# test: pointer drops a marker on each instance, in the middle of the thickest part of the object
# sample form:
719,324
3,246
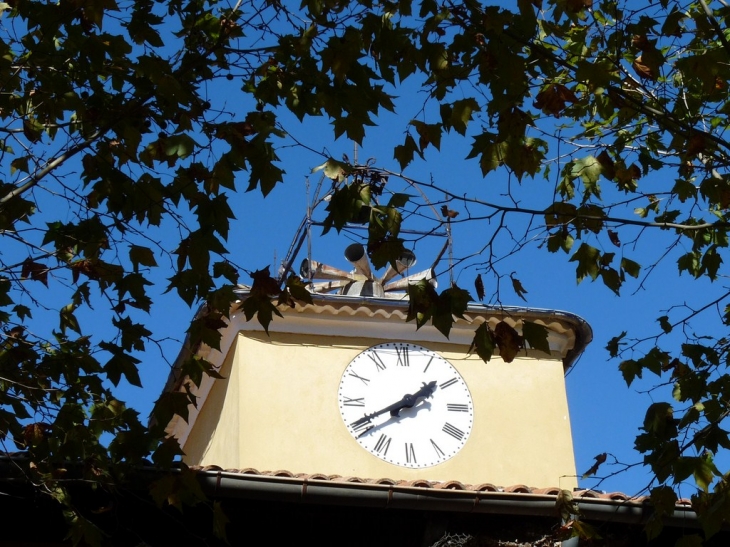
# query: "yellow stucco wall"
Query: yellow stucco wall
277,409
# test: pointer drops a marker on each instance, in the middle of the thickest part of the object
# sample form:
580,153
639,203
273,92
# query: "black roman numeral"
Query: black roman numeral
448,383
455,432
428,364
439,452
377,360
457,407
354,375
383,444
410,453
360,401
362,426
402,356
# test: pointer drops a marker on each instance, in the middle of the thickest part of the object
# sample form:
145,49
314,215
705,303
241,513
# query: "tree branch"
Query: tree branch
538,212
715,25
31,180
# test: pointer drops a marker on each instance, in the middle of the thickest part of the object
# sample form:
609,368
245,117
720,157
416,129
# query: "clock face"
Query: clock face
406,405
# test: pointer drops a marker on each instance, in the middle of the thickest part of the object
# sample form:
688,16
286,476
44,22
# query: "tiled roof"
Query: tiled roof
579,494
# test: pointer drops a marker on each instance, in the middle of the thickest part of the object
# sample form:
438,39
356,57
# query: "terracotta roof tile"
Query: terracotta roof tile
443,485
418,483
354,479
551,491
485,487
450,485
518,489
212,468
319,477
619,496
684,501
587,494
283,473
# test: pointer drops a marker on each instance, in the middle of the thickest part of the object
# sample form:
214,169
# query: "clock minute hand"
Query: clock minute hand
408,401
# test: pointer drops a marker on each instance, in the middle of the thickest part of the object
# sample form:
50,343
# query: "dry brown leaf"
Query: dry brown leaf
613,236
448,213
644,71
640,41
479,286
696,144
601,458
553,99
609,170
508,341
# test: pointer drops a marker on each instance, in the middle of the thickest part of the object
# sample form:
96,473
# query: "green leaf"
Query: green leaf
589,170
262,308
404,153
630,369
349,203
461,114
226,270
170,404
456,299
711,262
665,324
206,329
483,343
385,250
565,505
615,344
585,531
179,145
333,169
22,312
536,336
121,364
19,164
663,500
630,267
298,289
68,319
429,134
422,300
82,531
166,453
398,200
705,471
141,256
220,521
659,419
518,288
690,262
588,259
611,279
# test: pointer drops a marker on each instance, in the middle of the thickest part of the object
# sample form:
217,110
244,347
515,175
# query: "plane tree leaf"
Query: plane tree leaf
536,336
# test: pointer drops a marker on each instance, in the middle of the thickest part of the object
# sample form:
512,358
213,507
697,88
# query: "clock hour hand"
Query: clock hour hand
408,401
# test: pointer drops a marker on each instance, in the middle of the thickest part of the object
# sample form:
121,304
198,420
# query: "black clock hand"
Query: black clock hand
408,401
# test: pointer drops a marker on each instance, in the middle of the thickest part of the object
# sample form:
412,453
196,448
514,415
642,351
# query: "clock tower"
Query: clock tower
345,386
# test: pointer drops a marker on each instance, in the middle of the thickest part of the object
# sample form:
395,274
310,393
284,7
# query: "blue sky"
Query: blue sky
605,413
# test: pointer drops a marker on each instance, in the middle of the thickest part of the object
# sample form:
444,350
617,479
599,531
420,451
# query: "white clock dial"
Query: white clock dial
406,405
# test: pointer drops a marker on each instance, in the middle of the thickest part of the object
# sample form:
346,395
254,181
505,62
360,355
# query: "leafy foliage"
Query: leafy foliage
111,137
